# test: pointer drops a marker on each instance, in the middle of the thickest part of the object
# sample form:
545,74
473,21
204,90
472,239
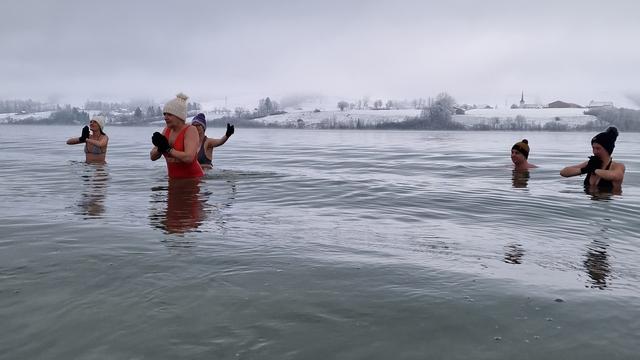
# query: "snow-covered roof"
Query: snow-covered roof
600,104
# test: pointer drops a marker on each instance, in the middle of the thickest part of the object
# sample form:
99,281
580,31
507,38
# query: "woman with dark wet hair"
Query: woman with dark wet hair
602,172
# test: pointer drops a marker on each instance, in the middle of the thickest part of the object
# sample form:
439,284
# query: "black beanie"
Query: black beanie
522,147
607,139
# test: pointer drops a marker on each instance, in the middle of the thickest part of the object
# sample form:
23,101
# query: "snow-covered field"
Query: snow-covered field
6,117
312,118
538,117
571,117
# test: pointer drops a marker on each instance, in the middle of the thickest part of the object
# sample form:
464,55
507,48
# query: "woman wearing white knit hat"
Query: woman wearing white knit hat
94,139
178,142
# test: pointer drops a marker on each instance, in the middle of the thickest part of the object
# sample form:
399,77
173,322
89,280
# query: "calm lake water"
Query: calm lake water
316,245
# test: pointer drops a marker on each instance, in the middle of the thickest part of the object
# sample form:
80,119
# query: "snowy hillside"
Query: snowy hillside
9,117
315,118
570,117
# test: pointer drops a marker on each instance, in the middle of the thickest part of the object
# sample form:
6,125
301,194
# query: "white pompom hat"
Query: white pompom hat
177,106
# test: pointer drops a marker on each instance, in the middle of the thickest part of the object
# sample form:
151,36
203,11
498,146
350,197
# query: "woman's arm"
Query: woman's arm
616,173
211,143
73,141
191,143
573,170
81,139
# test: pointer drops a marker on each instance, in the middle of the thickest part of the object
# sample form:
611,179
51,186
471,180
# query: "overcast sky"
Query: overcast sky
477,51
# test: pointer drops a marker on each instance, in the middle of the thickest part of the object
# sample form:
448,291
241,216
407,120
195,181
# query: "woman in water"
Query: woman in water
178,142
520,156
602,172
94,139
205,154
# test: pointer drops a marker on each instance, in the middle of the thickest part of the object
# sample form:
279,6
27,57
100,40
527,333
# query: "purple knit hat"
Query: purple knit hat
199,120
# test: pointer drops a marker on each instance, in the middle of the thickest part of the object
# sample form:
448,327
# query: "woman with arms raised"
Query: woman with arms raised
94,139
602,172
205,154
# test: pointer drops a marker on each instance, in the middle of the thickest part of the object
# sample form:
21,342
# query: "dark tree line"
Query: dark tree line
363,104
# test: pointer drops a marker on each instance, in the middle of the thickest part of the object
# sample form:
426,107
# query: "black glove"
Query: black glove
85,134
593,164
160,142
230,130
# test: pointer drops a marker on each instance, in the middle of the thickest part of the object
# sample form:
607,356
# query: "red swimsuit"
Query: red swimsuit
178,169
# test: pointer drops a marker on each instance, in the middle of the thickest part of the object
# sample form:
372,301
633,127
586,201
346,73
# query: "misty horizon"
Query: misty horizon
74,51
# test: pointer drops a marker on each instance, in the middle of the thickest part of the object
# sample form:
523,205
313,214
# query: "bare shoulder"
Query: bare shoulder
618,166
191,131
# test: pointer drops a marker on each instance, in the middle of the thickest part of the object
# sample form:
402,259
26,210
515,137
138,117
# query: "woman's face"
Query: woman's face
517,157
171,120
200,129
93,126
598,150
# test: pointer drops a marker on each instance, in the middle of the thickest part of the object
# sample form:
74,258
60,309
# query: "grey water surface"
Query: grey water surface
316,245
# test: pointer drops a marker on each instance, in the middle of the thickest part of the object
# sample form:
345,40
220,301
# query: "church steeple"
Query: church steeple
522,99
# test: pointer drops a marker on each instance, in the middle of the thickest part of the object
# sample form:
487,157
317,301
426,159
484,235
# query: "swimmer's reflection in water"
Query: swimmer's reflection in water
91,203
513,253
185,207
597,264
598,194
520,178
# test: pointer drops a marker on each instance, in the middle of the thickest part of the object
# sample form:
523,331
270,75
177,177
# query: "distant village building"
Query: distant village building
524,105
600,104
561,104
458,110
